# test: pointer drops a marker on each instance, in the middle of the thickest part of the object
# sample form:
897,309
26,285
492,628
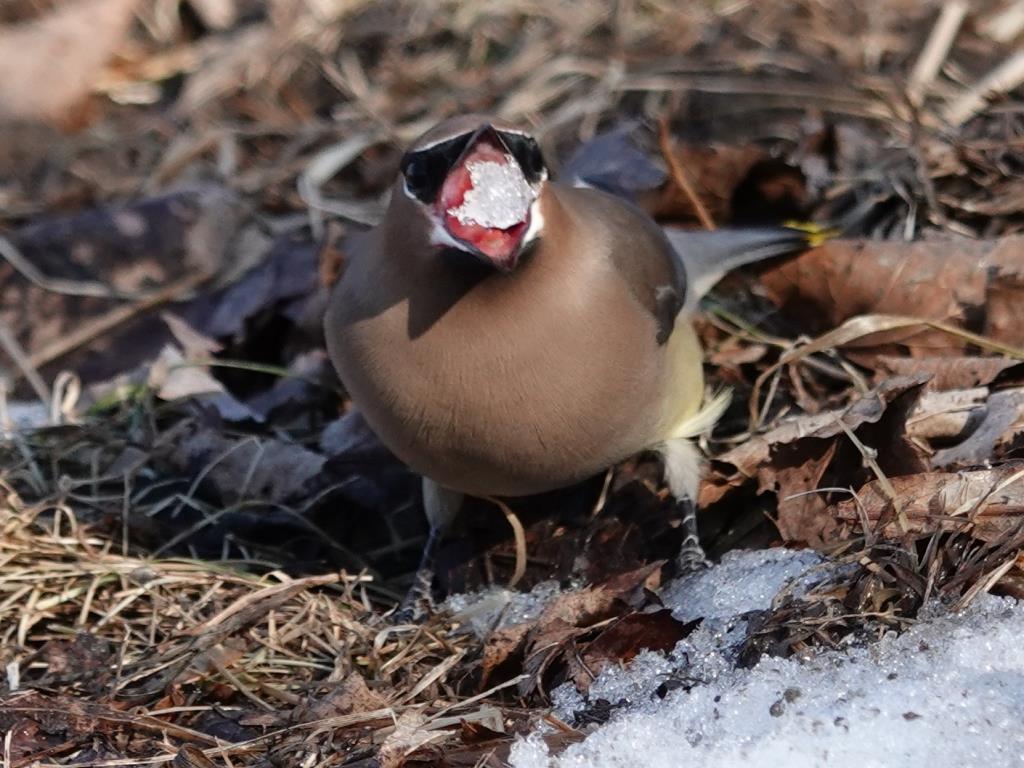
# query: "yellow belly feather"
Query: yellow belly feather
685,411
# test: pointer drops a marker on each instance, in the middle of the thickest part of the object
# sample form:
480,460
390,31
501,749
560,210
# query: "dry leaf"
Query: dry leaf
734,183
501,646
340,698
801,509
757,453
409,735
623,640
793,460
949,372
573,614
977,284
196,346
992,500
968,427
1001,420
48,66
173,377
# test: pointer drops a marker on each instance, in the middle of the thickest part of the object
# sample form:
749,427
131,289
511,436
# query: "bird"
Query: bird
505,334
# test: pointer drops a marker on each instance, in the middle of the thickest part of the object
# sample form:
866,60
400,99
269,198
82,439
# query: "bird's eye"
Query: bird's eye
417,175
527,153
425,169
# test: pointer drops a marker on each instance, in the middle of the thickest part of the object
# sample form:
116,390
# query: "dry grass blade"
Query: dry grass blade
1001,80
679,176
936,50
117,656
852,330
520,538
75,615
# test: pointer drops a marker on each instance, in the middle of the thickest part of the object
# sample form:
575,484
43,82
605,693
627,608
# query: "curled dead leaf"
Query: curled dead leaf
792,459
501,647
624,639
950,372
988,501
977,284
570,616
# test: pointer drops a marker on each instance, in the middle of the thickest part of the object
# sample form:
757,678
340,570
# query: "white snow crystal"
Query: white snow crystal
499,198
743,581
947,692
497,608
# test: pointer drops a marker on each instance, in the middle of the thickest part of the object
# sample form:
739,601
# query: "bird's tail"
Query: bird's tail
708,256
705,418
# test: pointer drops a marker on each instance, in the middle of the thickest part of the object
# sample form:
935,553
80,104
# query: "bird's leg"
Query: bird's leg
441,506
682,472
419,600
691,555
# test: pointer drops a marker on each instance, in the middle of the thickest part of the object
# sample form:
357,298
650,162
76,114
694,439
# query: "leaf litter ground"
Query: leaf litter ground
201,538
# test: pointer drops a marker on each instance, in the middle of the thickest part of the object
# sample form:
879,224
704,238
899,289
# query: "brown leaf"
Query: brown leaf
946,416
623,640
992,500
803,454
801,511
49,65
714,172
1001,420
968,426
977,284
572,614
339,698
584,607
734,183
947,372
478,733
501,647
757,453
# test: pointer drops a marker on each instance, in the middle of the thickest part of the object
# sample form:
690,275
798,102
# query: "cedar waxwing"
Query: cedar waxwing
505,334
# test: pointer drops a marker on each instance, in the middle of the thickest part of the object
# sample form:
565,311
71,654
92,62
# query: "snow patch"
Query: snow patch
947,692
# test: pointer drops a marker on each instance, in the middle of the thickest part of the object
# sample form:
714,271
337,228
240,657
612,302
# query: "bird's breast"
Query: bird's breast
514,388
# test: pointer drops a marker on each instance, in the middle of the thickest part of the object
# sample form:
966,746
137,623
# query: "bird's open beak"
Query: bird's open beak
484,202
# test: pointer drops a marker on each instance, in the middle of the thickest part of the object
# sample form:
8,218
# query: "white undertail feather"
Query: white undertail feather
682,458
705,418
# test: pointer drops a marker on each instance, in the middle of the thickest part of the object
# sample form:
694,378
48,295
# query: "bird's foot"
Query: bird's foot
419,600
418,603
692,557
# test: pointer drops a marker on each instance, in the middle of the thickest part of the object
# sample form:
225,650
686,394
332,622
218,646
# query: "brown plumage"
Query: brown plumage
495,384
506,374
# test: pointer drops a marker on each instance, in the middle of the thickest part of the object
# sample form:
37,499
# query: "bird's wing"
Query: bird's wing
636,248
